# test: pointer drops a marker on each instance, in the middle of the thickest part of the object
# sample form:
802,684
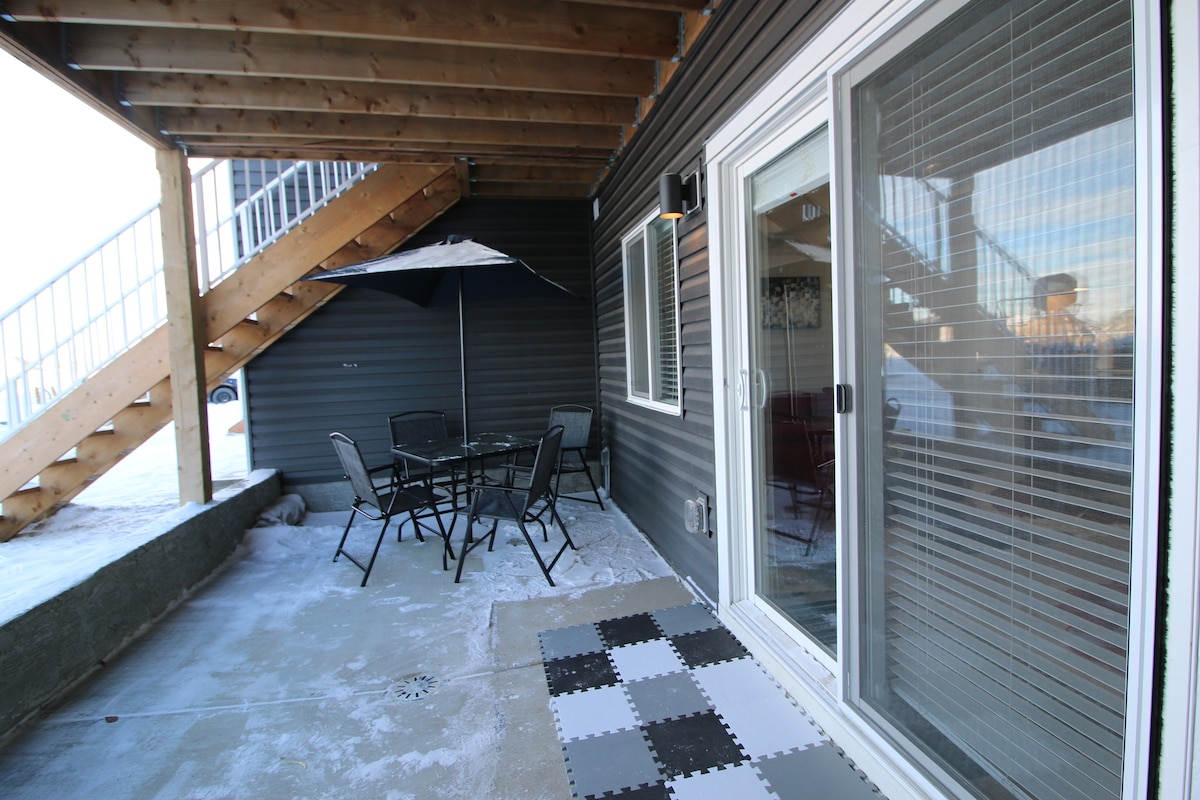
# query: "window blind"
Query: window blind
994,239
666,344
636,316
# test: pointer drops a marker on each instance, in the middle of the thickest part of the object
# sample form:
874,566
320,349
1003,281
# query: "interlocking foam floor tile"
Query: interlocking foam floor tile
628,630
593,712
735,783
670,705
666,697
573,673
576,640
818,772
707,647
610,763
691,744
634,662
685,619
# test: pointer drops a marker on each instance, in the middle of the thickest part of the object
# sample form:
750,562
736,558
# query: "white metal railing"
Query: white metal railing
114,296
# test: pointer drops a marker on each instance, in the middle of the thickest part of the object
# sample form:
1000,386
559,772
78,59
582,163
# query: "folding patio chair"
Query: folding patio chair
520,505
576,421
383,502
425,426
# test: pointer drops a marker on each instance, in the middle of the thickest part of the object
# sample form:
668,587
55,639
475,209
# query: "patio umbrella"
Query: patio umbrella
455,271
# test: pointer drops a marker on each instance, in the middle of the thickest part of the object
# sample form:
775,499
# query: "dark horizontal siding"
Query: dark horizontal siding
367,355
658,460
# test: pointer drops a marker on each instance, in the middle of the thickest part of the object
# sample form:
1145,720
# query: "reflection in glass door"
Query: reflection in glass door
791,352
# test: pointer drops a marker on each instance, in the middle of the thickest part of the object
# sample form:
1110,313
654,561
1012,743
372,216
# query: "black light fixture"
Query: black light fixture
676,196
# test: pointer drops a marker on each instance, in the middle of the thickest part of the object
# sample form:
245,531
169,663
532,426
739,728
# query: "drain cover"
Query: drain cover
412,689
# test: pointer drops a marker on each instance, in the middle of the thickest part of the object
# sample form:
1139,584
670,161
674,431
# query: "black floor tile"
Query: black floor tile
655,791
579,672
629,630
707,647
694,743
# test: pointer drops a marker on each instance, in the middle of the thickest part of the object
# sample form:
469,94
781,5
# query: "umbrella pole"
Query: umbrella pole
462,352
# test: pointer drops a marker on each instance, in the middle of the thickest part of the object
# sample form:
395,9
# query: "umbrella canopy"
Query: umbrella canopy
444,273
456,271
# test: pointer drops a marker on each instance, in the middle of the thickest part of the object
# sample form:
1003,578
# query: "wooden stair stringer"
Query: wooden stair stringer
416,196
245,340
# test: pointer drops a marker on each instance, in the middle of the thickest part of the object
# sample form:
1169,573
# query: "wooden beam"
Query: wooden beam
551,25
38,49
351,127
512,173
280,151
669,5
185,329
278,55
402,152
462,171
360,97
531,189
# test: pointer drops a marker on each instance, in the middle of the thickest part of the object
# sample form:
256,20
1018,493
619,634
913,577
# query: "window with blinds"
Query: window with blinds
994,253
651,315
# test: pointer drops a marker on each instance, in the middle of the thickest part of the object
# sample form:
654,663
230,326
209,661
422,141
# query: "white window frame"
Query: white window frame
649,315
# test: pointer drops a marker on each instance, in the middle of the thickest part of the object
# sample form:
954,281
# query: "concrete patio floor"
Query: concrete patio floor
281,678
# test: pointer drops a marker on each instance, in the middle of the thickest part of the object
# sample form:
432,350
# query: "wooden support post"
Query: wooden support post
185,329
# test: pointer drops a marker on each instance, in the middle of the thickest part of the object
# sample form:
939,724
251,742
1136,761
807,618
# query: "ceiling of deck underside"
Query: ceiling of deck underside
526,98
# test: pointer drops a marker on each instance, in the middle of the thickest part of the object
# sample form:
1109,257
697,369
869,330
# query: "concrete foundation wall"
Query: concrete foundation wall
49,648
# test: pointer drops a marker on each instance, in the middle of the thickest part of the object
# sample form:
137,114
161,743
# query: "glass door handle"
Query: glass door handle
841,398
761,377
743,379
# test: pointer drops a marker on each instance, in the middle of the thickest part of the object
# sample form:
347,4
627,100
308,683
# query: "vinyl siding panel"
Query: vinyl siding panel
367,354
660,460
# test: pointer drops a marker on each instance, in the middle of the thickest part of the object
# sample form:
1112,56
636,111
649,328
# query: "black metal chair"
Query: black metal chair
411,427
576,421
520,505
383,502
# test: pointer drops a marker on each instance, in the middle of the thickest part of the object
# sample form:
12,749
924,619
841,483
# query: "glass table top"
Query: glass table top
478,445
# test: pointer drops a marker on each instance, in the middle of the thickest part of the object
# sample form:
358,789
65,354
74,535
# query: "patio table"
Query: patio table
439,454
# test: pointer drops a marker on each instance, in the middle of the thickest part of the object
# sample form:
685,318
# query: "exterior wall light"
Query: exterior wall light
677,197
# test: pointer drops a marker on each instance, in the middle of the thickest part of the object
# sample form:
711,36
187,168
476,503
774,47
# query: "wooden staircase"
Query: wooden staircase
127,401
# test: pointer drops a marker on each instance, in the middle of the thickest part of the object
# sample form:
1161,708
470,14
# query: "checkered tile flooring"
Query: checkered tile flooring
669,704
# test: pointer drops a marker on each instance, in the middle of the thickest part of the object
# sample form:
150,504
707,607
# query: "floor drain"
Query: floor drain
412,689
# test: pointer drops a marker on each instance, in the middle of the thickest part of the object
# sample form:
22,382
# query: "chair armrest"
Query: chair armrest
392,476
513,470
497,502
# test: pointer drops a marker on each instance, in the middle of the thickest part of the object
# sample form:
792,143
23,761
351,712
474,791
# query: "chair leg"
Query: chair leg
375,552
366,568
562,526
447,550
468,545
345,533
537,555
587,471
545,570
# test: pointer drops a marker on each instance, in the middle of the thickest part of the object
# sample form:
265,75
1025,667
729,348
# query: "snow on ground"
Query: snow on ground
122,510
128,505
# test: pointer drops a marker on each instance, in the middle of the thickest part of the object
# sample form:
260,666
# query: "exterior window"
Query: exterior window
994,235
651,314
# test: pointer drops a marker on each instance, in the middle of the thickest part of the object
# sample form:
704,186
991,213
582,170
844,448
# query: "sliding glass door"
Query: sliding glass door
994,223
941,435
790,320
